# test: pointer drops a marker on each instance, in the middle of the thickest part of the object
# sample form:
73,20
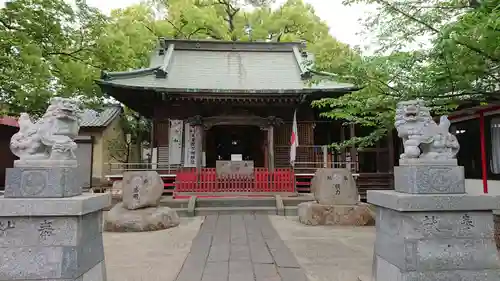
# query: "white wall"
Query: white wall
476,187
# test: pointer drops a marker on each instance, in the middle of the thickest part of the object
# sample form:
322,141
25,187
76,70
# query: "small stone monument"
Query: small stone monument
49,230
336,202
428,228
139,211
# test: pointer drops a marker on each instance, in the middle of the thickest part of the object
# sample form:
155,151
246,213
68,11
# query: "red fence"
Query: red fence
263,180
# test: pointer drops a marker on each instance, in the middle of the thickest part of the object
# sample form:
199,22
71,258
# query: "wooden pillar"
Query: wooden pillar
342,152
390,140
324,149
484,161
270,147
152,142
352,134
199,146
269,125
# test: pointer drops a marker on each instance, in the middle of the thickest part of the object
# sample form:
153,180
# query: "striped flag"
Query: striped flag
294,140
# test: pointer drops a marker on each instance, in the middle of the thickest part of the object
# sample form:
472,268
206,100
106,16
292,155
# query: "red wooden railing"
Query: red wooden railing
207,181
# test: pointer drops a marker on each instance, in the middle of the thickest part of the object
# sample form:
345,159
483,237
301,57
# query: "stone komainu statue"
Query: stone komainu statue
422,137
52,137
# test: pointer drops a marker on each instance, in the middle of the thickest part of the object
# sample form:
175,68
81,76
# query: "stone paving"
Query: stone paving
239,248
329,253
149,256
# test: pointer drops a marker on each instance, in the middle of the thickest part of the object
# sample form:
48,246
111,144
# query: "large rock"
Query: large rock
334,187
312,213
141,189
120,219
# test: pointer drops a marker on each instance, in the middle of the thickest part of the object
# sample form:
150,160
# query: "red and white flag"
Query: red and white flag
294,140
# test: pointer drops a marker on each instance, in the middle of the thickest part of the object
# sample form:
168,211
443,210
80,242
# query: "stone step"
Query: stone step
291,210
174,203
182,212
235,202
205,211
294,201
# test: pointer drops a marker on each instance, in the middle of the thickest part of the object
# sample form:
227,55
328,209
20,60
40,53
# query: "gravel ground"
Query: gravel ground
329,253
149,256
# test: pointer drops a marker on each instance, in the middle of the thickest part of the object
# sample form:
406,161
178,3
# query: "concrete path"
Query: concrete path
239,248
149,256
329,253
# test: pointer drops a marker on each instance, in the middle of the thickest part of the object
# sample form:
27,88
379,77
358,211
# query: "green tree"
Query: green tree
234,20
460,61
49,47
46,49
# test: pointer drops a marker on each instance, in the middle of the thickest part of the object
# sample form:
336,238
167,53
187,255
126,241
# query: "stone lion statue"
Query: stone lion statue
422,137
51,137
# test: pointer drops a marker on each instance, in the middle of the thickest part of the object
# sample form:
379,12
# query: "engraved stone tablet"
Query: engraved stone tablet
227,169
141,189
334,187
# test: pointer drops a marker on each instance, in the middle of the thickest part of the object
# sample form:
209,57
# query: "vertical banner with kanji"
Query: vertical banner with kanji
176,128
190,153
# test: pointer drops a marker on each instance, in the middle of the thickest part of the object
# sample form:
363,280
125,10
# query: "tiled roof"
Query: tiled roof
99,118
216,66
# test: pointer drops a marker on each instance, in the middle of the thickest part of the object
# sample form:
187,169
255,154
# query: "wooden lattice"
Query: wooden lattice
161,133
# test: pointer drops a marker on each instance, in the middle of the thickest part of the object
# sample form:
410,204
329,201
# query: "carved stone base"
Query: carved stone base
53,238
429,179
53,182
312,213
434,237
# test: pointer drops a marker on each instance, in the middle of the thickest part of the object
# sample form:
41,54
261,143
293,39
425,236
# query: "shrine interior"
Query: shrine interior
226,140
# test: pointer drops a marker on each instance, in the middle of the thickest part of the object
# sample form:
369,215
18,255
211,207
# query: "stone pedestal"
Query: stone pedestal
49,230
429,177
42,179
336,202
52,238
433,234
313,213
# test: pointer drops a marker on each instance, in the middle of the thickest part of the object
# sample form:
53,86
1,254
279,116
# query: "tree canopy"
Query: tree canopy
46,49
53,48
50,47
458,61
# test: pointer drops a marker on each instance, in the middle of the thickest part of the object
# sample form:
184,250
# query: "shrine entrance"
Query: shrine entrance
245,141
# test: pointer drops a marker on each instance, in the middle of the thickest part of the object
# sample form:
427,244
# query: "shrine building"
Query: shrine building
215,102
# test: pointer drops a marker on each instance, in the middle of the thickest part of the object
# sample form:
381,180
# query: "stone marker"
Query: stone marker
336,202
139,211
49,230
334,187
141,189
429,228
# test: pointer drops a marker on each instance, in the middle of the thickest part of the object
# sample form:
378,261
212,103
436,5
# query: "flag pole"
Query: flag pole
294,140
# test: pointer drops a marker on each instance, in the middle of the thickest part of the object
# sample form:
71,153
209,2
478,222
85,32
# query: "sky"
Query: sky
343,20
